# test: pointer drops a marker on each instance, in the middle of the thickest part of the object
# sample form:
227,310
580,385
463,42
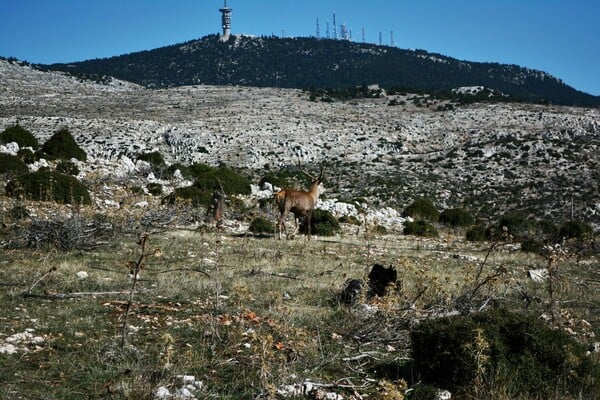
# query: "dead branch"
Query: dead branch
180,269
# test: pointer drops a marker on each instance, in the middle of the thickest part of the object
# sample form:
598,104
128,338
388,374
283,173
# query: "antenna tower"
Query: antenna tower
225,21
380,39
327,30
334,27
318,29
392,39
363,34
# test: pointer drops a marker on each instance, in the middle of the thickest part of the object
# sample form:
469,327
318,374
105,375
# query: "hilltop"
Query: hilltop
323,63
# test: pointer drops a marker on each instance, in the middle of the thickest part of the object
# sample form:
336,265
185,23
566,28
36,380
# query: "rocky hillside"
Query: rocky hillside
490,158
308,62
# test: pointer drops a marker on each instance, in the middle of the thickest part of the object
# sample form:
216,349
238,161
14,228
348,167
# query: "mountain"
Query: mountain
322,63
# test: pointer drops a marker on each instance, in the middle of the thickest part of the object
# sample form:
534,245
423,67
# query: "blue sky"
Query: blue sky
561,37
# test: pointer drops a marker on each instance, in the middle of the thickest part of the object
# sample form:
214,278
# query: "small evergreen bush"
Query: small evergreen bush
62,145
322,223
261,225
420,228
67,168
155,189
575,230
45,185
502,349
231,181
531,246
19,135
518,225
12,164
191,194
456,217
155,159
478,233
27,156
422,208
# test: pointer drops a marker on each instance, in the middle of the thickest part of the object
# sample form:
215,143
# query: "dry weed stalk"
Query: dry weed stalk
136,268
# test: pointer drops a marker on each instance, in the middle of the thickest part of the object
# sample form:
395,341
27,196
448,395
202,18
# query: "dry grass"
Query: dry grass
243,315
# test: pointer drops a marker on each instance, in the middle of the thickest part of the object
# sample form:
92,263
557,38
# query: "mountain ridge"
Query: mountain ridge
302,63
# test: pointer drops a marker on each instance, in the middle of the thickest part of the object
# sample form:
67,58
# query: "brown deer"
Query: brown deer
299,202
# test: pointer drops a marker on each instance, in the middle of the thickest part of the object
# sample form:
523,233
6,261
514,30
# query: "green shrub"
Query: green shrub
261,225
478,233
322,223
422,208
531,246
137,190
518,225
155,159
501,349
45,185
62,145
190,194
12,164
231,181
349,219
379,230
420,228
456,217
67,168
27,156
575,230
155,189
19,135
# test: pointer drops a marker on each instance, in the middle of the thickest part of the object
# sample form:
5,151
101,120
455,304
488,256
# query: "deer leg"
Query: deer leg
281,225
308,218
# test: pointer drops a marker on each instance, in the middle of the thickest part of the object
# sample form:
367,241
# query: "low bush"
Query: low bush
261,225
62,145
478,233
45,185
322,223
155,189
228,179
502,349
349,219
456,217
420,228
67,168
518,225
12,164
422,208
531,246
575,230
28,156
155,159
191,194
19,135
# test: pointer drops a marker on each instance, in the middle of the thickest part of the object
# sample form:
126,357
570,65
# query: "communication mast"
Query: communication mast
363,34
334,27
318,30
226,21
392,39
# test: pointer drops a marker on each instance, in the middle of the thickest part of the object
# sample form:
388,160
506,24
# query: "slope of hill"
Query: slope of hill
490,158
310,62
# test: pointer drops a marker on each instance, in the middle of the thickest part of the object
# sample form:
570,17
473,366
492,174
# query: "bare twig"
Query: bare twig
50,271
136,271
180,269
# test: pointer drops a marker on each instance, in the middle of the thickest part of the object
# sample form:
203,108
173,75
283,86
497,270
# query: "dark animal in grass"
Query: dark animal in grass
378,281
